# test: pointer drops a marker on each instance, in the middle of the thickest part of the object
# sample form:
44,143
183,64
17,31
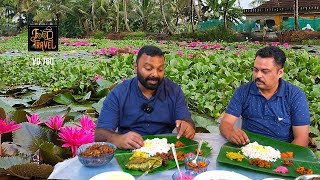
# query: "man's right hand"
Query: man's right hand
130,140
239,137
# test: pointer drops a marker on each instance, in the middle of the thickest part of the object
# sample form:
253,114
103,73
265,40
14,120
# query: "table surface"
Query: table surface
74,170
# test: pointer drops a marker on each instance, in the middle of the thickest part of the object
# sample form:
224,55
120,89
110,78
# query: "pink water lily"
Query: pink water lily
98,77
193,44
286,45
87,124
135,51
240,46
74,138
180,53
204,46
55,122
189,55
6,128
103,51
218,46
237,53
34,119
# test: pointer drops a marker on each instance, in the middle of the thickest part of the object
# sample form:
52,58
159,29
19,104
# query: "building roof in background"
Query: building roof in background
288,3
285,6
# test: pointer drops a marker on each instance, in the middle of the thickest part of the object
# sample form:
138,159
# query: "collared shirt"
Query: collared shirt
122,108
275,117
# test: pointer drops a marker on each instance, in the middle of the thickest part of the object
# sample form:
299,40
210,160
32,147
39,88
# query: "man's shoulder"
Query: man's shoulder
291,88
244,88
123,86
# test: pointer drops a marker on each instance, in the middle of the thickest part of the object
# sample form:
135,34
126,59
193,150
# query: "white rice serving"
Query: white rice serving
255,150
152,146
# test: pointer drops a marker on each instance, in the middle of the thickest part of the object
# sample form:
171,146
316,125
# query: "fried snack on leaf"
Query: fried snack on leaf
144,164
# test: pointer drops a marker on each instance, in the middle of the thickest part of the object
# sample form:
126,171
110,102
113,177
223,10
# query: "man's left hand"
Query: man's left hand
185,129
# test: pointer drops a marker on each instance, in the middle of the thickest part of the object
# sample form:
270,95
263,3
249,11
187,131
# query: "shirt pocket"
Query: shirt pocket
282,126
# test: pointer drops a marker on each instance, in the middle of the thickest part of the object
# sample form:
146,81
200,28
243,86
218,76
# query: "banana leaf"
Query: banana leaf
123,156
302,156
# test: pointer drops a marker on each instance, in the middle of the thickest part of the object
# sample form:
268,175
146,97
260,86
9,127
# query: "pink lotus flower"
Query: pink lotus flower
104,51
257,42
55,122
204,46
113,52
8,127
136,51
131,47
193,44
286,45
189,55
160,42
33,119
98,77
218,46
237,53
240,46
87,124
180,53
74,138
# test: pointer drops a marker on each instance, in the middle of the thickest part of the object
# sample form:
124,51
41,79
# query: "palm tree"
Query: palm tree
225,9
296,15
256,3
164,17
125,14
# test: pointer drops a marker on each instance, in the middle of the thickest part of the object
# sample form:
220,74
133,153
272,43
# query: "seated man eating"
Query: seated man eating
147,104
269,105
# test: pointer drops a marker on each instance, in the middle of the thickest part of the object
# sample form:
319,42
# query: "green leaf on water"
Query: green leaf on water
65,98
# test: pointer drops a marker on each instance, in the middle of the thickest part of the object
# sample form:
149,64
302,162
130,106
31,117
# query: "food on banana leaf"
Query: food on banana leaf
144,164
255,150
281,169
139,154
235,156
302,170
287,162
288,154
260,163
180,156
179,144
152,146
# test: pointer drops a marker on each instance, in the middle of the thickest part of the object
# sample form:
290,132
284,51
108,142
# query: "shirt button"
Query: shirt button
148,125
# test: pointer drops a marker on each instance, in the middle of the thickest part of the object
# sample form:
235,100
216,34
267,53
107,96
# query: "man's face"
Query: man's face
150,71
266,73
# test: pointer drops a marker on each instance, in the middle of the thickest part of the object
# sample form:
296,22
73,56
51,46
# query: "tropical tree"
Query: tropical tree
164,17
296,15
125,14
225,9
256,3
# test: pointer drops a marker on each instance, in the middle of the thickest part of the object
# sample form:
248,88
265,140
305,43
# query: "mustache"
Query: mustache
258,80
153,79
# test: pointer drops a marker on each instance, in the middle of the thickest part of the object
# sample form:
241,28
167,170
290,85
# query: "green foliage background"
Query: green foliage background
208,79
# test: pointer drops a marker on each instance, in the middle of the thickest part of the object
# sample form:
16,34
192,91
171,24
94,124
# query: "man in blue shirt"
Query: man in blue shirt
144,105
268,105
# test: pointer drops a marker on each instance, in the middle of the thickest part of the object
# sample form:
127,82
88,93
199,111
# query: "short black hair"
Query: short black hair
275,52
150,51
